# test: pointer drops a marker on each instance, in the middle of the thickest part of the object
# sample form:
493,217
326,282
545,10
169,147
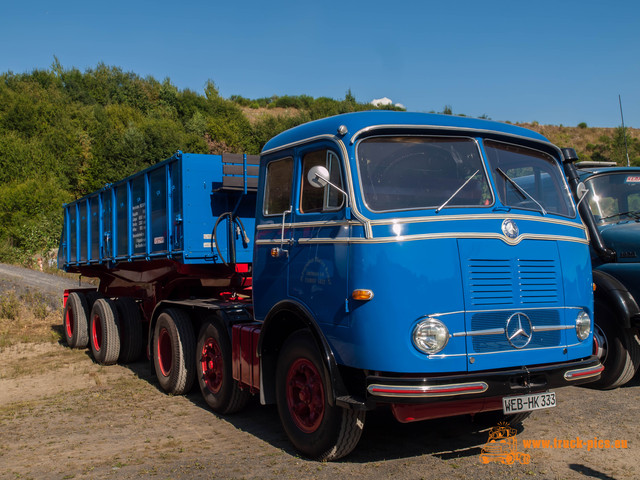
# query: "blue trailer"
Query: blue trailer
432,264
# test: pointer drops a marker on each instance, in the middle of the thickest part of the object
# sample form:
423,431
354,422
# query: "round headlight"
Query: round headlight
430,336
583,325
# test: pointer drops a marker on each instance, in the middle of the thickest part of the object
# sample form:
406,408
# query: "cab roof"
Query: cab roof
359,122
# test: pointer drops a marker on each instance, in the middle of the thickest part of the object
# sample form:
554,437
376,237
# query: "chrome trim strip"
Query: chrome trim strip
478,216
427,391
583,373
324,136
512,350
564,307
293,226
441,128
477,333
416,220
439,236
551,328
500,331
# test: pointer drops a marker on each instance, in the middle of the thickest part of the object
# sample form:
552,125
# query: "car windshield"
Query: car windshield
614,197
528,179
405,173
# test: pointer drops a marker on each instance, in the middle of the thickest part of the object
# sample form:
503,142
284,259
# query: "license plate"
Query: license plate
526,403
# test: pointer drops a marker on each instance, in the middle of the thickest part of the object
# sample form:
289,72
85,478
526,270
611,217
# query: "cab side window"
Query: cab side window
277,192
327,198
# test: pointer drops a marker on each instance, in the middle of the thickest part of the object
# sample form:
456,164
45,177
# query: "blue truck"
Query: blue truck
375,259
611,211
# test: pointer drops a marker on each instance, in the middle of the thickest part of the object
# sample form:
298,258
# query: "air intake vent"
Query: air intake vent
538,281
490,282
511,282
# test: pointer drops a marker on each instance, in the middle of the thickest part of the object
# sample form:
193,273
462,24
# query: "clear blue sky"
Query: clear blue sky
554,62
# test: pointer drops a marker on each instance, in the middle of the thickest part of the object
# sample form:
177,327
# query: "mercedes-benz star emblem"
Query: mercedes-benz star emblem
519,330
510,228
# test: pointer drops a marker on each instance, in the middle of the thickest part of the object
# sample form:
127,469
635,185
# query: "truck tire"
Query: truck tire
214,366
74,321
317,429
174,348
617,351
131,344
104,332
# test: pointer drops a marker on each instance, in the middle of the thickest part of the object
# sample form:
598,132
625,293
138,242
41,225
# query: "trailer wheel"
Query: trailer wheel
317,429
618,352
131,344
174,351
74,321
104,332
219,389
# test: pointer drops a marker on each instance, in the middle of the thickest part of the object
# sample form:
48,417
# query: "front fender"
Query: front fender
282,320
616,295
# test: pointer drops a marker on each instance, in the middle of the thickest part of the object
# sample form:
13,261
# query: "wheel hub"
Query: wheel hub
305,395
96,333
165,359
212,365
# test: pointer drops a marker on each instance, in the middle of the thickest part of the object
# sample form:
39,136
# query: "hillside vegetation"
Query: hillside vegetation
65,133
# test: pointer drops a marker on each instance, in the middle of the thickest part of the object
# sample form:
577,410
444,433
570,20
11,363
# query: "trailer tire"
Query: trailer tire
214,366
91,297
174,351
618,350
131,343
104,332
74,321
317,429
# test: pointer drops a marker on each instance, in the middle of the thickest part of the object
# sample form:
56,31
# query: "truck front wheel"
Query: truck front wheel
317,429
218,387
104,331
174,351
619,353
74,321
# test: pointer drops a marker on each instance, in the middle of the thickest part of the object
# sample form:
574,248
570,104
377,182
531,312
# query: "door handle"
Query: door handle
277,252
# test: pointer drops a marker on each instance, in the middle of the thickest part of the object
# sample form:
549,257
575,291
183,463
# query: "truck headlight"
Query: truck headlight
583,325
430,335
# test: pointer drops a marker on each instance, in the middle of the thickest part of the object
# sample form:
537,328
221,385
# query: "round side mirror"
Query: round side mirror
581,190
318,176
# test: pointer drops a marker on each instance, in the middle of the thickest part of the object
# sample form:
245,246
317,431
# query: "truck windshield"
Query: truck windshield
405,173
528,179
614,197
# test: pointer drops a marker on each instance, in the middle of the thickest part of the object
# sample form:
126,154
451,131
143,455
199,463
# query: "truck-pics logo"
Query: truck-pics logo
502,447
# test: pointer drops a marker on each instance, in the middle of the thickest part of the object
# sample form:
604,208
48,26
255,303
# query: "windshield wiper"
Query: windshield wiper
456,192
521,190
634,213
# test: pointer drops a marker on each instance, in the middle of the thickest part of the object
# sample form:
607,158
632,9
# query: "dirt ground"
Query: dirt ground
63,416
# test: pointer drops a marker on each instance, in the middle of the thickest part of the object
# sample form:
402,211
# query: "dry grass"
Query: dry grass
575,137
28,318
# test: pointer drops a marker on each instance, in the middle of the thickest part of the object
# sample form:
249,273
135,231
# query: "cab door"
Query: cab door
273,234
319,252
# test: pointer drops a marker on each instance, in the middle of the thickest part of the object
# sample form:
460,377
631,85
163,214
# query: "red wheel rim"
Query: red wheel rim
212,365
305,395
96,333
165,358
68,322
